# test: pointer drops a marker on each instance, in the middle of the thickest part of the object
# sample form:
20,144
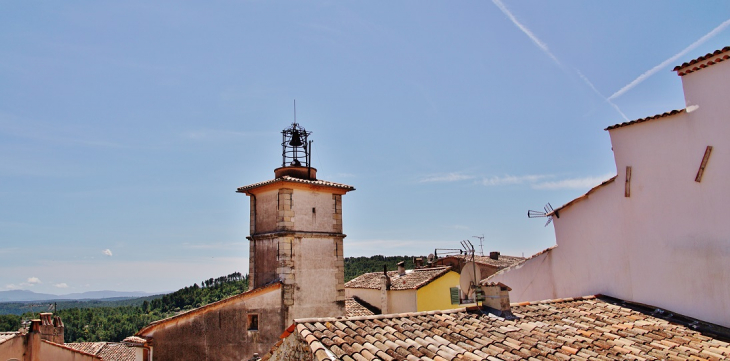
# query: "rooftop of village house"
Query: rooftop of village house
499,260
411,279
108,351
593,327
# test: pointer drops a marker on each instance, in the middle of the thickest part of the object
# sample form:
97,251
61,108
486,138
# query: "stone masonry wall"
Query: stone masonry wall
337,214
285,214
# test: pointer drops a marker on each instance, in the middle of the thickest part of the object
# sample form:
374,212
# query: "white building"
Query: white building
658,232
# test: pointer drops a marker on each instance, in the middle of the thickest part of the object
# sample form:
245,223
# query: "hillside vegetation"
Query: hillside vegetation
355,266
100,320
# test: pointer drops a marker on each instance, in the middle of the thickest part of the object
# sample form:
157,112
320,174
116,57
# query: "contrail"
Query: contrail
674,58
585,80
545,49
525,30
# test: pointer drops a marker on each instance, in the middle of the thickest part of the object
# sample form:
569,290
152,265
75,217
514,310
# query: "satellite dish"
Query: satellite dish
469,280
430,257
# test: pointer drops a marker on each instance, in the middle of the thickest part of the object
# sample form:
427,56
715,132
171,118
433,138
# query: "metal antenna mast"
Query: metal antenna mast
481,241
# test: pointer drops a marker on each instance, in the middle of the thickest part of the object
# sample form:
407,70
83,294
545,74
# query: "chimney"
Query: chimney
494,255
401,268
496,299
50,328
384,287
418,262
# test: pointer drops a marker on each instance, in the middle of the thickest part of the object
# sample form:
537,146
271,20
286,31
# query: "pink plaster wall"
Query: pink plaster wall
666,245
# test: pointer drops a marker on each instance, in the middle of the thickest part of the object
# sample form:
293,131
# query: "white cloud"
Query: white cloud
449,177
107,252
669,61
573,183
34,280
511,179
61,285
12,287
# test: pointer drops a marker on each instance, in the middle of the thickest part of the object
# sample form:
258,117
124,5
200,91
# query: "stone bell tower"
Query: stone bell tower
296,233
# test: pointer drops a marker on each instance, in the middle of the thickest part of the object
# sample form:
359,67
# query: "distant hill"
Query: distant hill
30,296
355,266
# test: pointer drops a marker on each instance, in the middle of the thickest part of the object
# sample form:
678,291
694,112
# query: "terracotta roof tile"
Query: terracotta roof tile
501,262
4,336
88,347
592,327
653,117
287,178
354,308
413,279
703,61
107,351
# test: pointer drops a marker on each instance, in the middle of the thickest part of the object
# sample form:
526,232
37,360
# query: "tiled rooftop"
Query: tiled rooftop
135,340
502,262
4,336
654,117
88,347
588,328
353,308
703,61
287,178
107,351
413,279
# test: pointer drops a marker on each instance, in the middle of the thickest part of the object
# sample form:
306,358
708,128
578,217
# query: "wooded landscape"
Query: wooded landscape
96,320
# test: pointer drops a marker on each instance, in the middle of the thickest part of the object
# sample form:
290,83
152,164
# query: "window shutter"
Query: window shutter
454,295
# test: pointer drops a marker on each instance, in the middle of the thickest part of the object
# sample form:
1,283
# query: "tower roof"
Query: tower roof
289,179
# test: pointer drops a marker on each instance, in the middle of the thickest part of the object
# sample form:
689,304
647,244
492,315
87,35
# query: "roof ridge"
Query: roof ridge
378,317
518,264
276,283
641,120
702,58
71,349
287,178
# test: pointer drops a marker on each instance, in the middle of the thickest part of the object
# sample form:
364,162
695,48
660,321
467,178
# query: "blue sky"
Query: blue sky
125,127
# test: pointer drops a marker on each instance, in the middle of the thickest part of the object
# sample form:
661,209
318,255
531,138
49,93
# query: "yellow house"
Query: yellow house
422,289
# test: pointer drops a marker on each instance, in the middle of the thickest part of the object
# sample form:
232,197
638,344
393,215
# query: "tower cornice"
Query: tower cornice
291,182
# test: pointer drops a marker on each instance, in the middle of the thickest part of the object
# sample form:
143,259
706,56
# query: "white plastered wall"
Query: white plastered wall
668,244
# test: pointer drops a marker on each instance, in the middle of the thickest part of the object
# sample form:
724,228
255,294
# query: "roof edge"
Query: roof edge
641,120
378,317
72,349
153,325
516,265
585,196
289,179
703,61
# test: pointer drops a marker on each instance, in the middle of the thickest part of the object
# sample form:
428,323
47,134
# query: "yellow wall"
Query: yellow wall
435,295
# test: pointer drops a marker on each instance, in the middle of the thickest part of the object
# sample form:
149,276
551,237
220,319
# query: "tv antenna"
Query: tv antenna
549,212
470,277
481,245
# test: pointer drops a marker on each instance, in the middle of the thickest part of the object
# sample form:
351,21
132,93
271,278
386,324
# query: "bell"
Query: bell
295,141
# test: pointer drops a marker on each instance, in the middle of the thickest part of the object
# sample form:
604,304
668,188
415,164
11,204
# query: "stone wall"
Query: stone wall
293,347
221,331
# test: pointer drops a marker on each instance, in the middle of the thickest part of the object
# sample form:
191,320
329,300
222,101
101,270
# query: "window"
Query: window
253,322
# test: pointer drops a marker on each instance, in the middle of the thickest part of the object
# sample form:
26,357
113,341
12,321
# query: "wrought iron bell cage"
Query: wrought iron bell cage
296,147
